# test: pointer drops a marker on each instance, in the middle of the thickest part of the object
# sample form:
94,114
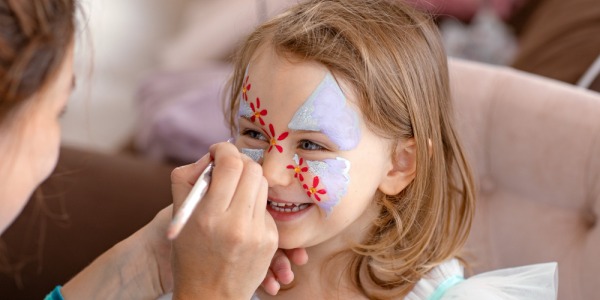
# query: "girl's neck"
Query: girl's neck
324,276
328,274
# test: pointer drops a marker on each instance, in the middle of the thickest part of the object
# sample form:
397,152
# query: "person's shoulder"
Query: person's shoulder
444,276
539,281
446,282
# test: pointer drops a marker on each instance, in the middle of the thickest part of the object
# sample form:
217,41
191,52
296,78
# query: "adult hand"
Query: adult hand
226,247
280,270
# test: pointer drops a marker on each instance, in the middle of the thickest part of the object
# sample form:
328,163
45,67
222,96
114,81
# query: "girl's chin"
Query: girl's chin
297,229
292,239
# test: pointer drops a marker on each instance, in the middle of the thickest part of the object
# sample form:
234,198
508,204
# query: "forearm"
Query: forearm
123,272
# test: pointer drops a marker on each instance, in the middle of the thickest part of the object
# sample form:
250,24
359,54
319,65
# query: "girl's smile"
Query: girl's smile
288,211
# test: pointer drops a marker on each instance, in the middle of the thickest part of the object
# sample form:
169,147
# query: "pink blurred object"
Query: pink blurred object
181,113
465,10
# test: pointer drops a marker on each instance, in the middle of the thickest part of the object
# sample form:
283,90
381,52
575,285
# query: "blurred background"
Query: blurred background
118,45
148,69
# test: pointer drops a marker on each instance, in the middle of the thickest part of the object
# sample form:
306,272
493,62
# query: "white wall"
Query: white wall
122,39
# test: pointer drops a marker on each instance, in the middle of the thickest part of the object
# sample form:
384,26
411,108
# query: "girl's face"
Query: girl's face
322,164
31,142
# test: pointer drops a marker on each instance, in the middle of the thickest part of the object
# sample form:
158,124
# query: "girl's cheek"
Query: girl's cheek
325,182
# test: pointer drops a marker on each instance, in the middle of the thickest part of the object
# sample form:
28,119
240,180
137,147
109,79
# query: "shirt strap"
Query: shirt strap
444,286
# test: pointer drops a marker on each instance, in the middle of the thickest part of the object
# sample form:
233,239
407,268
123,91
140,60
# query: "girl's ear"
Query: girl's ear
403,169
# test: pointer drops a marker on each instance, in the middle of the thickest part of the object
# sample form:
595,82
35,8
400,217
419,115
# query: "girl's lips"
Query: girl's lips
285,211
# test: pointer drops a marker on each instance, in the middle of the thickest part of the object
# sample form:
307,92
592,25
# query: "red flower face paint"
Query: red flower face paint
245,88
245,110
273,141
331,182
298,168
257,113
314,191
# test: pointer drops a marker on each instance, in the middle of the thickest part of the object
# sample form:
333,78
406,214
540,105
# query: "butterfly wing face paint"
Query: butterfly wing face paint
255,154
326,182
333,175
326,111
245,110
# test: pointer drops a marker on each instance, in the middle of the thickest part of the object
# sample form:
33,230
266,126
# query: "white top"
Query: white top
445,282
530,282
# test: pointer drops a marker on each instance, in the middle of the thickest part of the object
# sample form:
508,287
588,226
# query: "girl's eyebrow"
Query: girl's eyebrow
308,131
317,134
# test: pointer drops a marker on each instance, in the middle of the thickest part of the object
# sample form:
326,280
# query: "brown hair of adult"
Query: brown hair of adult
393,58
34,39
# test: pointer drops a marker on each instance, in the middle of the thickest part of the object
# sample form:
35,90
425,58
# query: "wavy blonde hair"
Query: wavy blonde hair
393,58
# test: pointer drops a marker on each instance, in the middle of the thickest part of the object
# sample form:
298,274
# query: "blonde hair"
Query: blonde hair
393,58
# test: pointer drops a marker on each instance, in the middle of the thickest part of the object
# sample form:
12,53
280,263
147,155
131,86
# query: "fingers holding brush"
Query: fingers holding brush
223,250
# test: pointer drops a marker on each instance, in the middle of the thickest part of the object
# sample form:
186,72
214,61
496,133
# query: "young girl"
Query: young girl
346,106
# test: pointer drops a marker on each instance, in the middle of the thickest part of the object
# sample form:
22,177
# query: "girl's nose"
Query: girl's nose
275,169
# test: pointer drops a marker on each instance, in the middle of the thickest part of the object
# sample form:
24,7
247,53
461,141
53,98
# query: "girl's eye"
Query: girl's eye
253,134
311,146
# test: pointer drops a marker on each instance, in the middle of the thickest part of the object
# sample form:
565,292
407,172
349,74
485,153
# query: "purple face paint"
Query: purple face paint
333,179
326,111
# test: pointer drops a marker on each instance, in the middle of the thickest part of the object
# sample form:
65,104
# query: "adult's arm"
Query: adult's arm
136,268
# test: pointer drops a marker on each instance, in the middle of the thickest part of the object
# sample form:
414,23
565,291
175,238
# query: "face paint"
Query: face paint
255,154
245,110
326,181
246,87
273,141
333,175
326,111
257,113
298,168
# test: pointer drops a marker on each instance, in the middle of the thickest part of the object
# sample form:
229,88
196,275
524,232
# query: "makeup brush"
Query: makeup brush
190,203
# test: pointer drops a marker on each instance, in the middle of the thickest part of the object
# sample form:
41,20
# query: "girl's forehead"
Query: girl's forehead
283,82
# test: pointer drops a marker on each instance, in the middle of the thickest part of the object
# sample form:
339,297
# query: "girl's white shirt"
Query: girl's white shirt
532,282
444,282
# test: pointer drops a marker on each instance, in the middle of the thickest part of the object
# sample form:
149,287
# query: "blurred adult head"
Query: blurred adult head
36,79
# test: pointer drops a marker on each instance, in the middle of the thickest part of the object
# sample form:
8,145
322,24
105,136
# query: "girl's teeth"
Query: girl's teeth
287,207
